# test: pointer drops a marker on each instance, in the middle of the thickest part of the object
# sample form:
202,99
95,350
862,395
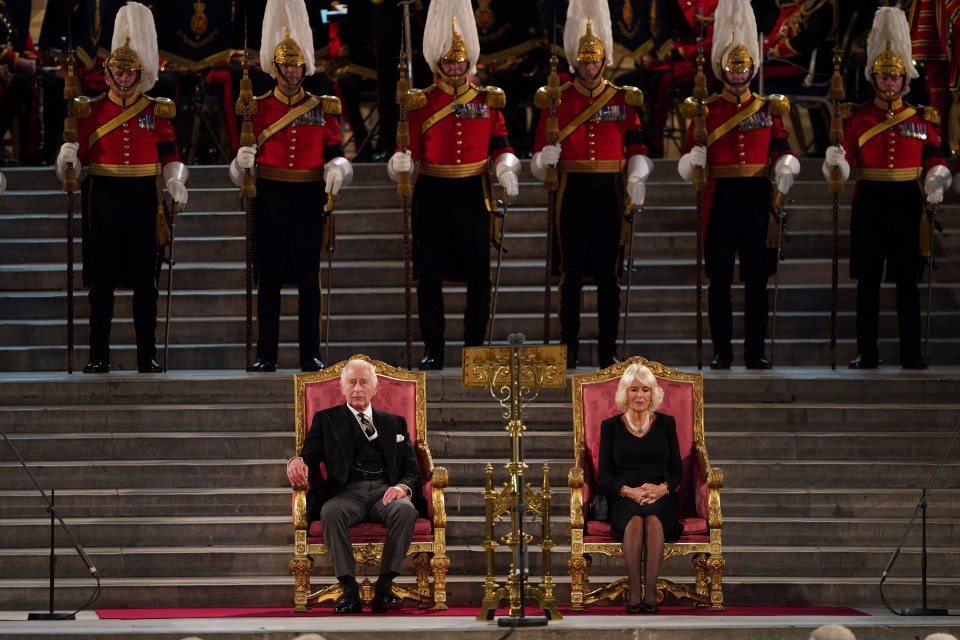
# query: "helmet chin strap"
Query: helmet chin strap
293,84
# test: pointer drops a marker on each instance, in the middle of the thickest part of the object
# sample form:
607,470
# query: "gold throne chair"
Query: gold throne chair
698,495
402,393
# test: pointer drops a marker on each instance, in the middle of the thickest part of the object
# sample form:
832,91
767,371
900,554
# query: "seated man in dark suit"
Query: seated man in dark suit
371,474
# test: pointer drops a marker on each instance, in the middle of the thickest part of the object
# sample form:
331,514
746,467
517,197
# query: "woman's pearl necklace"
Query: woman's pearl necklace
643,427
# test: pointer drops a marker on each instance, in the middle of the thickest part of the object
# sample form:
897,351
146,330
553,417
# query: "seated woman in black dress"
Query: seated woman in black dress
640,469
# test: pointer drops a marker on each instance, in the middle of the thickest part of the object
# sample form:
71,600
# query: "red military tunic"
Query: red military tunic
741,149
296,135
802,28
454,135
602,141
599,130
139,146
902,152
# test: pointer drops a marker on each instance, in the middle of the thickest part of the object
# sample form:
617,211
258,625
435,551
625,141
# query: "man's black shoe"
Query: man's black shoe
720,361
149,365
381,156
758,363
349,602
572,359
262,366
609,359
97,366
861,362
386,602
429,361
313,364
914,363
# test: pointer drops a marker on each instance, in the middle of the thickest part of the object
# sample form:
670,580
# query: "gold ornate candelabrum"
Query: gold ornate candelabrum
515,376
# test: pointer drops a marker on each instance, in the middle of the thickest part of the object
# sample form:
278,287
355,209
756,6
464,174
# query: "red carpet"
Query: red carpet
280,612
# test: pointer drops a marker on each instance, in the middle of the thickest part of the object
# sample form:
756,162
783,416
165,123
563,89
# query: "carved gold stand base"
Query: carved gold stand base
491,603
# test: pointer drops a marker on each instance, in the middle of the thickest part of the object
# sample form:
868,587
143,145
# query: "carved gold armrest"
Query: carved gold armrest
300,507
441,480
575,482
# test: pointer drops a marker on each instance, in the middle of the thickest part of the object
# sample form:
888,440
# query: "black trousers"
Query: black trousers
589,240
120,235
885,227
288,219
739,214
451,236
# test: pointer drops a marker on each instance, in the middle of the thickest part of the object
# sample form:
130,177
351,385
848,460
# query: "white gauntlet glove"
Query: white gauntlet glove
785,169
696,157
400,162
549,156
938,179
836,157
639,169
246,159
175,176
337,173
67,155
507,167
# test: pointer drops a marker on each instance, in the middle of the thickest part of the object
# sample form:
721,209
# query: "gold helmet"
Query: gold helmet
888,46
889,62
736,47
739,60
450,35
124,57
288,52
286,36
588,34
458,48
135,45
590,47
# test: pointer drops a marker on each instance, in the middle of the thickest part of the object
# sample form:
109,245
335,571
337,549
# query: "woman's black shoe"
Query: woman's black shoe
634,609
648,608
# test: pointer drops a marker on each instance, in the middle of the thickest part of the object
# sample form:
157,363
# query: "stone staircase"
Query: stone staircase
367,307
175,483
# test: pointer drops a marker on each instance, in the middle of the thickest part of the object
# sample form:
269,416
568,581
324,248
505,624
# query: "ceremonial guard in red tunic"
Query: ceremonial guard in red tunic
745,133
126,141
895,149
602,166
298,161
456,132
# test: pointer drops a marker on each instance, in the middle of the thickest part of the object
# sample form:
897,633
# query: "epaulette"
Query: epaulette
330,104
779,104
931,115
496,98
416,99
163,107
81,105
846,110
634,96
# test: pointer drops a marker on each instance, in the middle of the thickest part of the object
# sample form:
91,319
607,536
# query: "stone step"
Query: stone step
787,388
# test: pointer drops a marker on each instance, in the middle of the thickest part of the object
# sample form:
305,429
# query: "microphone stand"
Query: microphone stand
54,514
921,507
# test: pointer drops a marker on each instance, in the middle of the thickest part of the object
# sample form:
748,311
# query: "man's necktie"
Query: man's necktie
368,429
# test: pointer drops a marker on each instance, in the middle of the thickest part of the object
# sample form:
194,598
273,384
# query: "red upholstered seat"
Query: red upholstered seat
402,393
698,496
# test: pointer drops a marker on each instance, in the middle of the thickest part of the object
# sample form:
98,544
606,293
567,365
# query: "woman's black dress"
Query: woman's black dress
626,460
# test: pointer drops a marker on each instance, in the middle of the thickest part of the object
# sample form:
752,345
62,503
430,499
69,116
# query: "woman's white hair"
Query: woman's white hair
832,632
357,362
941,636
643,375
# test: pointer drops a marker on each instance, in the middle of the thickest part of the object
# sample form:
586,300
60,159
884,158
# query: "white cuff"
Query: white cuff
844,170
784,163
236,173
539,172
346,169
684,168
175,171
939,175
639,167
